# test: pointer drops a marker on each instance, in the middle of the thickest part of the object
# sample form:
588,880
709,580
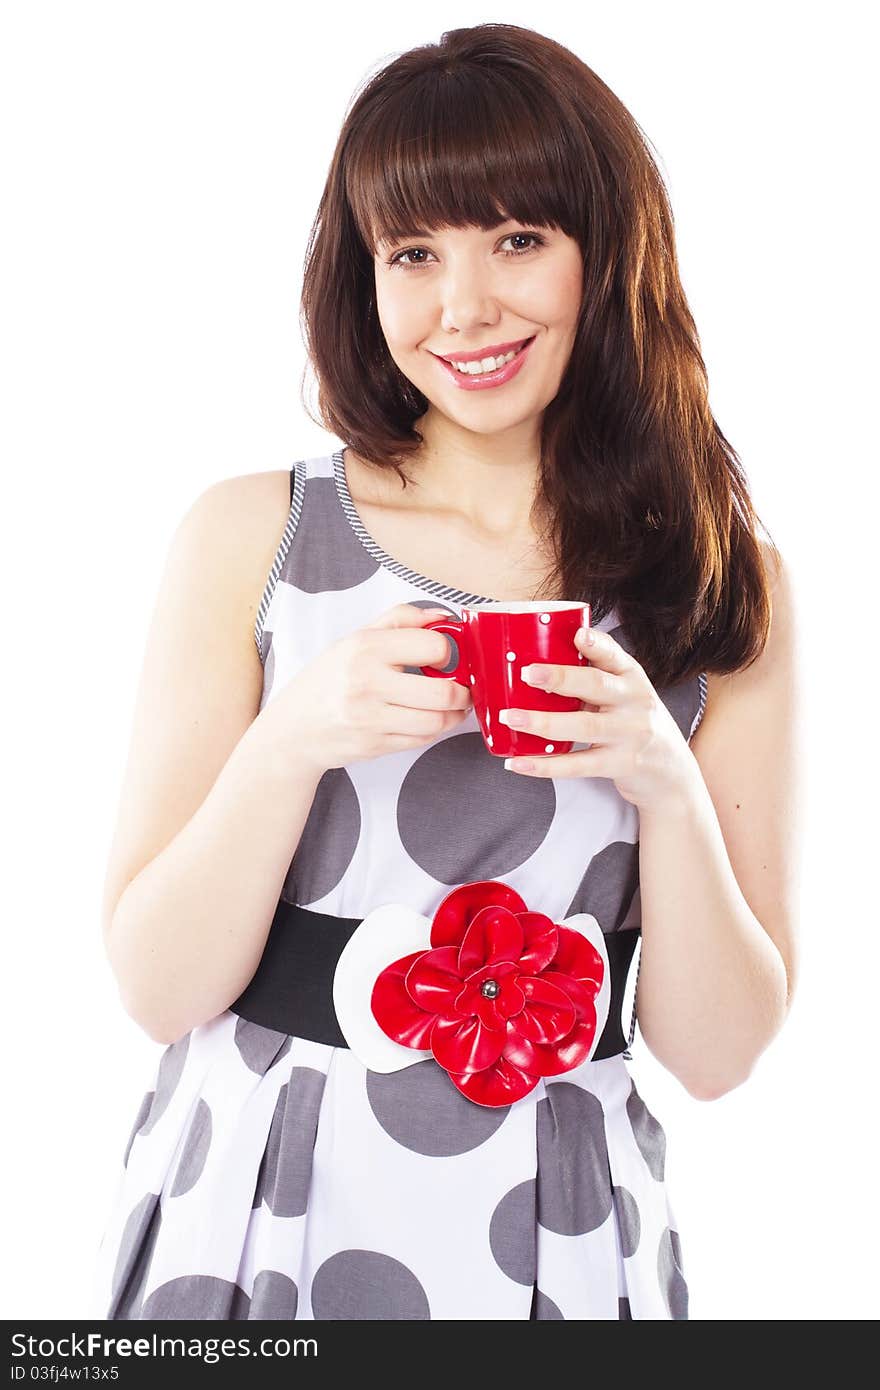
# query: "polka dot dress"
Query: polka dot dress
269,1176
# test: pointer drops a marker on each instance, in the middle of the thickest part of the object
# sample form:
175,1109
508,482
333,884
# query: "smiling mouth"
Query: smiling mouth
473,368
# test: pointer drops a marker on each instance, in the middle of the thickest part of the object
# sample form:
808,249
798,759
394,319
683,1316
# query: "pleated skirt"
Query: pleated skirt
271,1177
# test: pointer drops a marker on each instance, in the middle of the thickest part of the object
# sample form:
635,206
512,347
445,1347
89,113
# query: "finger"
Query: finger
606,655
407,615
422,692
417,723
408,645
402,743
581,726
596,688
587,762
408,636
603,650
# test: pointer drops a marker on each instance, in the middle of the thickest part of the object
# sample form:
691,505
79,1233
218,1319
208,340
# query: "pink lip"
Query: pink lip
487,379
493,350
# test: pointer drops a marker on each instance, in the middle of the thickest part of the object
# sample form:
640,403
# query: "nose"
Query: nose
466,292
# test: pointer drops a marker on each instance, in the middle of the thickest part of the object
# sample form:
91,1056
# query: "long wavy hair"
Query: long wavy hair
649,504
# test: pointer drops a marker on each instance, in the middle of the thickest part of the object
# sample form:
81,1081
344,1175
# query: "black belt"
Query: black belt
292,990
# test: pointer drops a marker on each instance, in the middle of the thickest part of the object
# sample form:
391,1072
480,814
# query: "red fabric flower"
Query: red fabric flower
503,997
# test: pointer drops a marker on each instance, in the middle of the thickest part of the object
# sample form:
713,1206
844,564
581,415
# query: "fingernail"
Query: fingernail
512,718
535,675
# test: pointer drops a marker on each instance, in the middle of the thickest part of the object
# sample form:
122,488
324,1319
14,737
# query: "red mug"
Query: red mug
493,646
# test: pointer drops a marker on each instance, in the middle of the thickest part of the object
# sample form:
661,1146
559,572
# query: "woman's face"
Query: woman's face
457,291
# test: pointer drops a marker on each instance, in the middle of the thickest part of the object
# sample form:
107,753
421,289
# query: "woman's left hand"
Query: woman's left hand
635,740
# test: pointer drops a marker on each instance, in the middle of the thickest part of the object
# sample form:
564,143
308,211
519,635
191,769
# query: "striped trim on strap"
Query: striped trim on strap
298,486
704,691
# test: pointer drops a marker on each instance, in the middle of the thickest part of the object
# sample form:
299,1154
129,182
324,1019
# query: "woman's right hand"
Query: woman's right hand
353,701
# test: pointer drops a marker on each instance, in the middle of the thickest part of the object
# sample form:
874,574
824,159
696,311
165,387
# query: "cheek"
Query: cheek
399,316
564,299
553,298
564,287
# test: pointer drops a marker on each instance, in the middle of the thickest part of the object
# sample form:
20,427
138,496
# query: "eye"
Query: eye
399,256
529,236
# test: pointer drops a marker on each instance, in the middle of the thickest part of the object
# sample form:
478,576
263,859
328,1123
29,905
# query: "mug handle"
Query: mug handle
451,627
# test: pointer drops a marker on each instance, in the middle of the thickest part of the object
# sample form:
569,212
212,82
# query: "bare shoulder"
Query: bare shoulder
201,678
239,523
778,660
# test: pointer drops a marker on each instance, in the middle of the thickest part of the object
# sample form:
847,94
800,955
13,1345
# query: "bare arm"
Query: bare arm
720,876
189,930
211,812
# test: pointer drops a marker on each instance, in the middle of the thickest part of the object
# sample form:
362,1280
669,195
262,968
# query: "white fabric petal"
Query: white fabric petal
394,930
384,935
586,924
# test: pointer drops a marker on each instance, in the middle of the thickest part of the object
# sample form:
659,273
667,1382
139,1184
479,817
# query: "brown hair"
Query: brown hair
650,504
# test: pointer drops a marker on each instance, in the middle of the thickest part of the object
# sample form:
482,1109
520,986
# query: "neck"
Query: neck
489,479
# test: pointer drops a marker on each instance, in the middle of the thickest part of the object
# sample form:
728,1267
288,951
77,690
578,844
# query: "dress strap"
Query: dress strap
297,492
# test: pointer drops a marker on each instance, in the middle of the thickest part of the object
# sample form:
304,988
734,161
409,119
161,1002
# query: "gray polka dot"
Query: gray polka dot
329,556
432,603
435,828
648,1133
512,1233
363,1284
195,1151
545,1309
197,1297
170,1071
628,1220
260,1047
608,885
133,1257
574,1179
683,702
328,842
420,1108
623,1308
275,1296
142,1114
671,1275
286,1165
633,919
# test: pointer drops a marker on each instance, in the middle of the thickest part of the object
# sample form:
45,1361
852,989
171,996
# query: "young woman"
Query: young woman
293,773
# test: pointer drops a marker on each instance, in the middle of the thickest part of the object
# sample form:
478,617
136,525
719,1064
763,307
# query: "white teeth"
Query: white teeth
488,364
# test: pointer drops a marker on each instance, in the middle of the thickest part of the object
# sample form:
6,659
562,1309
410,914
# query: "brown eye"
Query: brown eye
397,258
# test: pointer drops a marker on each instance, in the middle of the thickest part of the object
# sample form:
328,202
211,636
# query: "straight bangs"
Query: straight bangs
462,148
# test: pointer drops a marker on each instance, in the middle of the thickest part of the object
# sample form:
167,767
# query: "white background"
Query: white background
161,164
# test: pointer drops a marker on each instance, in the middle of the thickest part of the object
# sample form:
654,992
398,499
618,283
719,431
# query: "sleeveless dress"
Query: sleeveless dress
269,1176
